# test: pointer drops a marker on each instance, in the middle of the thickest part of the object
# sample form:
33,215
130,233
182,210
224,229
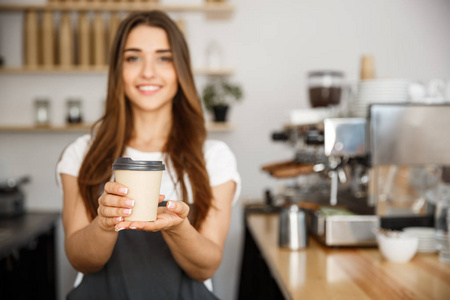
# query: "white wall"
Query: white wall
272,45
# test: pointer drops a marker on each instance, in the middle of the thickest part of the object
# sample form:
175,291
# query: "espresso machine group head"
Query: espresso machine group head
344,139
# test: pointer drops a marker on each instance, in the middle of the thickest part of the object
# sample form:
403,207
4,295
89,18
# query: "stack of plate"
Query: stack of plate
426,235
379,91
312,115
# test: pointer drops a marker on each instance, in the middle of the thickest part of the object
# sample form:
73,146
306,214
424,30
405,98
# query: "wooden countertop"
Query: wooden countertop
318,272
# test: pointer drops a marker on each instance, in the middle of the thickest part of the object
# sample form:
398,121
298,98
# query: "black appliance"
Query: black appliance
12,198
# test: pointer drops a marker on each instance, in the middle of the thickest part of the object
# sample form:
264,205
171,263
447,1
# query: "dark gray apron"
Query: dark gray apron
141,267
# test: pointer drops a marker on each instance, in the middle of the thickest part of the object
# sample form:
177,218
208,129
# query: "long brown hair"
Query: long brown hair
184,147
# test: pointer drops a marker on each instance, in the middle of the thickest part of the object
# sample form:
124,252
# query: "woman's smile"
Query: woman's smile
149,89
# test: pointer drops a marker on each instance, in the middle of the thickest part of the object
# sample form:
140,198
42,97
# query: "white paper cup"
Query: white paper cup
143,180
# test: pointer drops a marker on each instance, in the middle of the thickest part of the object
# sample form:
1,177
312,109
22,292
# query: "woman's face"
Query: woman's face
149,75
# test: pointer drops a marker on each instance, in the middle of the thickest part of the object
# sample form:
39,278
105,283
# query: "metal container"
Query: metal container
292,230
345,230
409,134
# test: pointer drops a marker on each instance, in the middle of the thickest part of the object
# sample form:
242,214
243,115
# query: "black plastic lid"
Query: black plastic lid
126,163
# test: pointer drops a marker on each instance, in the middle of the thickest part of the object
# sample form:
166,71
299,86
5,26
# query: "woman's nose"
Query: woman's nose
148,69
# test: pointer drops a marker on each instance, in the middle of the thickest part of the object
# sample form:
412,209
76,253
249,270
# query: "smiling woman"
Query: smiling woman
152,113
149,75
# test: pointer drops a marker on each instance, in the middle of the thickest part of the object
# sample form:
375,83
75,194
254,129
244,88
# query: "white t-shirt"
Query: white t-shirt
220,165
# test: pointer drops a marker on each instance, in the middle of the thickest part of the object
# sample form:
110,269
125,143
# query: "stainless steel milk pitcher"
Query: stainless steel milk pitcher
292,231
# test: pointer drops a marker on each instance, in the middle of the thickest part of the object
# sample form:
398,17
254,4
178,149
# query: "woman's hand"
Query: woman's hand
113,205
168,218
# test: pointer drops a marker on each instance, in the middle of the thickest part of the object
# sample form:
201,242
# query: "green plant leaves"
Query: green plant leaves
220,93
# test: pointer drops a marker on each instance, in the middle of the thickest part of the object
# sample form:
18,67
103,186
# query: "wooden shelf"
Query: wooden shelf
214,72
54,70
30,128
219,127
97,70
211,127
121,6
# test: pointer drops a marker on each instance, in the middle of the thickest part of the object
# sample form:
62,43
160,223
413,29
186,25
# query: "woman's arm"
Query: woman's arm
89,245
198,253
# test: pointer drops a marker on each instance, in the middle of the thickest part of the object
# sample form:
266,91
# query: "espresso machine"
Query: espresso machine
378,171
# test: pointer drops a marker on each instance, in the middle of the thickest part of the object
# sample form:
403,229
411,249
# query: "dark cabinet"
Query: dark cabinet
27,257
256,281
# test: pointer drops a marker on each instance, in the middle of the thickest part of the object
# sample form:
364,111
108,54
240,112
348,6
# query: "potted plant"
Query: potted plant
218,95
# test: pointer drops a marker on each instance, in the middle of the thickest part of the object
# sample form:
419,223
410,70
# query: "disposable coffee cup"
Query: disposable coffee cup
143,180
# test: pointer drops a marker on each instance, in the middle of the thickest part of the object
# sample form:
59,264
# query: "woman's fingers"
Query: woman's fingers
111,222
161,198
115,201
178,207
113,206
172,215
112,187
108,223
122,225
146,226
108,212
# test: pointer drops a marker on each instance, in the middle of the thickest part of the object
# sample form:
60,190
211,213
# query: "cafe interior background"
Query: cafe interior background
266,46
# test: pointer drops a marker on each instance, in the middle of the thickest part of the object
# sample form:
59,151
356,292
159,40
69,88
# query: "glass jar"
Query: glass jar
74,115
325,88
442,223
42,112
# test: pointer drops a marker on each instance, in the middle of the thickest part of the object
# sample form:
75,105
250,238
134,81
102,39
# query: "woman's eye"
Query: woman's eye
131,58
165,58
